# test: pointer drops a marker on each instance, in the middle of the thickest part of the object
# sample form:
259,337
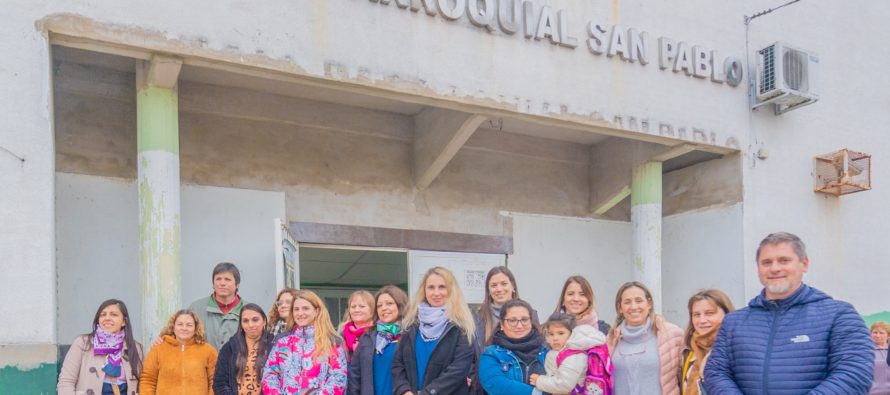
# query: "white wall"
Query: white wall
845,236
26,180
98,257
702,249
97,249
365,42
233,225
548,249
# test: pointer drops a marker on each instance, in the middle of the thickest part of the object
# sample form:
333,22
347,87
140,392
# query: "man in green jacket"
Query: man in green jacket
221,310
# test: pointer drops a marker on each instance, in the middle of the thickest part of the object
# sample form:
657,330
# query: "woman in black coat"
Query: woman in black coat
436,353
370,370
239,367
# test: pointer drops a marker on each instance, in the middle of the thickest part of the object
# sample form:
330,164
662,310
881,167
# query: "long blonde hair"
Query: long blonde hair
369,300
455,308
325,335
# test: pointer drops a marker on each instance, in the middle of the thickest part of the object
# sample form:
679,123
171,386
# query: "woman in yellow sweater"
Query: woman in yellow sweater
183,363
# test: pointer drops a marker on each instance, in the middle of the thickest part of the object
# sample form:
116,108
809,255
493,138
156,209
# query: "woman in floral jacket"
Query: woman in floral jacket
312,358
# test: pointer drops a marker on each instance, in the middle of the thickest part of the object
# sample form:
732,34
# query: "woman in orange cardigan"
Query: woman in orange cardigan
183,363
645,348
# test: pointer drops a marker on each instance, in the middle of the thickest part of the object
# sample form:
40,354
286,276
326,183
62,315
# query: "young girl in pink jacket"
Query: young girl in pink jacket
566,362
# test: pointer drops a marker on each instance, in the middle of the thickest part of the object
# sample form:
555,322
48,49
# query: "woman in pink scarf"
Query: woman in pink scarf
358,318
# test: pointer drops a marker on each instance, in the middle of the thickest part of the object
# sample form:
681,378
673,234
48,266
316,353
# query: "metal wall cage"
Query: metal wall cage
842,172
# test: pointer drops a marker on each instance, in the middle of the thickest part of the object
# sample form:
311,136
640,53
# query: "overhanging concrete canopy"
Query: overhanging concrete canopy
438,135
612,199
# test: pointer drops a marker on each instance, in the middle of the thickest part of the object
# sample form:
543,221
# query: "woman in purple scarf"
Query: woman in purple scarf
105,361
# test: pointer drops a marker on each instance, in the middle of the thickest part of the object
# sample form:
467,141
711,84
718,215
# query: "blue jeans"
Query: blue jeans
106,389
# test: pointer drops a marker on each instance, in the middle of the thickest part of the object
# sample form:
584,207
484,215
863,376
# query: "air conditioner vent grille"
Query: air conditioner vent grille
786,77
795,69
768,77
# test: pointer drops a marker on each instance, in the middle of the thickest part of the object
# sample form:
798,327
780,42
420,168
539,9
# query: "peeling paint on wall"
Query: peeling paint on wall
37,381
28,369
159,206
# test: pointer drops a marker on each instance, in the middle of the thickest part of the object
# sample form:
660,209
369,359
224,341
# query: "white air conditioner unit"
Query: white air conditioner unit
786,77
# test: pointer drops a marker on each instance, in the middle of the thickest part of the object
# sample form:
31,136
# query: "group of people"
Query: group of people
791,339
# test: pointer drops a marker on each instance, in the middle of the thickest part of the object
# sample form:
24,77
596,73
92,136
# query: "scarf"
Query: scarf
351,334
590,318
526,348
701,348
496,315
279,327
433,321
387,333
112,346
633,338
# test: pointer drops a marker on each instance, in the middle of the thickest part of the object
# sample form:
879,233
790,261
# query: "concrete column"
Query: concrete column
157,135
645,216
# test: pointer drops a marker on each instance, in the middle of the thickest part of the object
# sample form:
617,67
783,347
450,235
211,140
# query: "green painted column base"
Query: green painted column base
39,380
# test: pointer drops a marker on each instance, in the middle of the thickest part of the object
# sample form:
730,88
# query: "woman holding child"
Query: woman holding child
571,349
500,288
517,352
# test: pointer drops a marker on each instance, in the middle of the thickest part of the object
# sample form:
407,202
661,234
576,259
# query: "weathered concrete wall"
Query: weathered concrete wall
611,165
364,44
360,44
27,352
716,182
97,234
337,164
710,183
702,249
596,249
844,235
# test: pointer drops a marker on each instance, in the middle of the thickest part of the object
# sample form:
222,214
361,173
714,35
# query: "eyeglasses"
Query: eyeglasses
514,322
282,303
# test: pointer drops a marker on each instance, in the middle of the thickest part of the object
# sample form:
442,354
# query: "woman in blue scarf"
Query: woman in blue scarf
105,361
370,370
436,353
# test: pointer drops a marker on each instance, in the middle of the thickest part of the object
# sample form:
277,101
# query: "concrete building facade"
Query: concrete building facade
145,142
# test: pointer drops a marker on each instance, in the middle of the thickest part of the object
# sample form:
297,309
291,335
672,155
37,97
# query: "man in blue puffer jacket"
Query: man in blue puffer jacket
791,339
